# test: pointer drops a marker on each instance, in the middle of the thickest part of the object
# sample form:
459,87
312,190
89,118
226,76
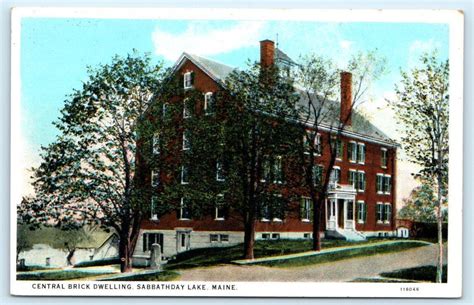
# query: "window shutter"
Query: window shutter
192,78
302,202
364,216
311,209
349,151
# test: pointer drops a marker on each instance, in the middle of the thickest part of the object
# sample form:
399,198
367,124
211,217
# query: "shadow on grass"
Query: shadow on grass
340,255
59,275
423,273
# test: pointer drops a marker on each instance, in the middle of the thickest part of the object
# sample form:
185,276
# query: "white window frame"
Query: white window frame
268,234
186,144
383,157
339,141
387,219
153,204
379,219
333,172
318,145
182,175
276,219
216,216
206,102
218,170
306,202
187,80
181,210
264,219
354,147
164,109
360,212
214,238
186,112
278,166
275,238
382,178
155,178
390,185
222,239
156,143
361,152
354,182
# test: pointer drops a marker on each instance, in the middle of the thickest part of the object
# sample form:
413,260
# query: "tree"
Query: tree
258,143
419,206
422,109
88,174
69,240
318,80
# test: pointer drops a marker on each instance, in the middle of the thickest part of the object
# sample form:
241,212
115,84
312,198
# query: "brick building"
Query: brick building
361,200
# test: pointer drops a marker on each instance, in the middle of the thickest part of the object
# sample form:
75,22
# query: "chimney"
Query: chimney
346,98
267,53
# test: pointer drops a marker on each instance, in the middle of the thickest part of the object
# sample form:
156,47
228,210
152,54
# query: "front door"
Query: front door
183,241
340,213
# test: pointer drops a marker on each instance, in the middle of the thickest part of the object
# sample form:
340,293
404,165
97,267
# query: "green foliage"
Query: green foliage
60,275
419,206
422,109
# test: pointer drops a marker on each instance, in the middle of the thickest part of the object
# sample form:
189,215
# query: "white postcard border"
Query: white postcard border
455,21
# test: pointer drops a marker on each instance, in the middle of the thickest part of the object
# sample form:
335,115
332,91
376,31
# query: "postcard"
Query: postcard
236,152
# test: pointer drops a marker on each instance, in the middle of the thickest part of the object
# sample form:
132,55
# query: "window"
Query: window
152,238
387,213
209,103
188,80
361,153
154,208
224,238
265,212
318,174
335,176
306,209
387,184
156,143
155,178
214,238
360,181
339,149
186,110
265,235
164,109
306,235
352,177
219,171
277,170
275,235
266,169
184,211
380,182
379,212
361,211
220,208
184,174
352,151
186,144
383,157
350,210
308,137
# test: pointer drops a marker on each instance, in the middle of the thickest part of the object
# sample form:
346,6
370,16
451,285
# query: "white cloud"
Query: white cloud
202,40
345,44
418,48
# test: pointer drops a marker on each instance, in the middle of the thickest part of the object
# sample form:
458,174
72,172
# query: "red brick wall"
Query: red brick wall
292,221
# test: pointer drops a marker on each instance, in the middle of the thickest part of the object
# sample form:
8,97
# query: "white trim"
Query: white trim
181,210
186,113
182,171
205,108
187,75
185,140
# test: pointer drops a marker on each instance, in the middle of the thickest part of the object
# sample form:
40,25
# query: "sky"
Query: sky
55,54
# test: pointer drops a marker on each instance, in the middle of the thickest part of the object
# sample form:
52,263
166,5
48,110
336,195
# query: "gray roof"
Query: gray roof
214,68
360,124
281,56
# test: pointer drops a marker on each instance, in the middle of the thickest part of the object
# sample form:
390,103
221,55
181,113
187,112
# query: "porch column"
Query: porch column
334,206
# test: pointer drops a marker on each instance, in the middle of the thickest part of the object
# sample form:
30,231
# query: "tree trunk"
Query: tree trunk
70,255
439,269
124,253
249,238
316,225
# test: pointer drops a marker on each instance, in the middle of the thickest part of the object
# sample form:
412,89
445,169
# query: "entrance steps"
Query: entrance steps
347,234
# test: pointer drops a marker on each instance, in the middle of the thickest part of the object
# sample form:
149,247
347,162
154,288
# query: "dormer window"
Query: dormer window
188,80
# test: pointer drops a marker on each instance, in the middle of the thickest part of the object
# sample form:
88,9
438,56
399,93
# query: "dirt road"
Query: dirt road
339,271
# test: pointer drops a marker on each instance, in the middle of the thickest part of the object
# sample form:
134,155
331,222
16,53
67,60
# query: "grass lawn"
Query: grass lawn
33,268
214,256
158,276
59,275
423,273
344,254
